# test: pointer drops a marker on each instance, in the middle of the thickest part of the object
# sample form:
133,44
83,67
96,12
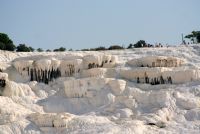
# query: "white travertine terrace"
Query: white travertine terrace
45,70
51,119
43,64
55,64
117,86
3,76
95,61
70,67
161,75
84,87
23,66
14,89
11,111
102,93
156,61
109,61
94,72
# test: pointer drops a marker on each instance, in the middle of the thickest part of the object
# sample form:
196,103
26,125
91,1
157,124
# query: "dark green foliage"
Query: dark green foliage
92,49
130,46
10,47
114,47
61,49
140,43
100,48
5,39
2,46
31,49
198,38
23,48
48,50
194,35
85,49
6,43
40,50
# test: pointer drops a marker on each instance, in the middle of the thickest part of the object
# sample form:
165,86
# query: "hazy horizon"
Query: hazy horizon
79,24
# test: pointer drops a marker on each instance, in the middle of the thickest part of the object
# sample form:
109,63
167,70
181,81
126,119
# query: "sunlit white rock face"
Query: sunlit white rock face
94,72
161,75
70,67
117,86
156,61
96,61
50,119
84,87
149,90
11,111
23,66
45,70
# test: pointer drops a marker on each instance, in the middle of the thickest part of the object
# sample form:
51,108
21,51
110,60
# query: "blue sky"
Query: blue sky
81,24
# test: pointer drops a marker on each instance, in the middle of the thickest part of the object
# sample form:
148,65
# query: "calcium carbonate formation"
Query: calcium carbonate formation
51,119
45,70
157,61
156,70
100,92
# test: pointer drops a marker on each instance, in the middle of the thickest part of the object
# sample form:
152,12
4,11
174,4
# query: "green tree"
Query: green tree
48,50
6,43
2,46
5,39
40,50
139,44
194,36
23,48
31,49
130,46
10,47
85,49
100,48
115,47
61,49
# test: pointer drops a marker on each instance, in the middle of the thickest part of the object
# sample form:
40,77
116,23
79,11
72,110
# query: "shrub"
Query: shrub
23,48
114,47
194,35
140,43
40,50
48,50
130,46
100,48
6,43
31,49
61,49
